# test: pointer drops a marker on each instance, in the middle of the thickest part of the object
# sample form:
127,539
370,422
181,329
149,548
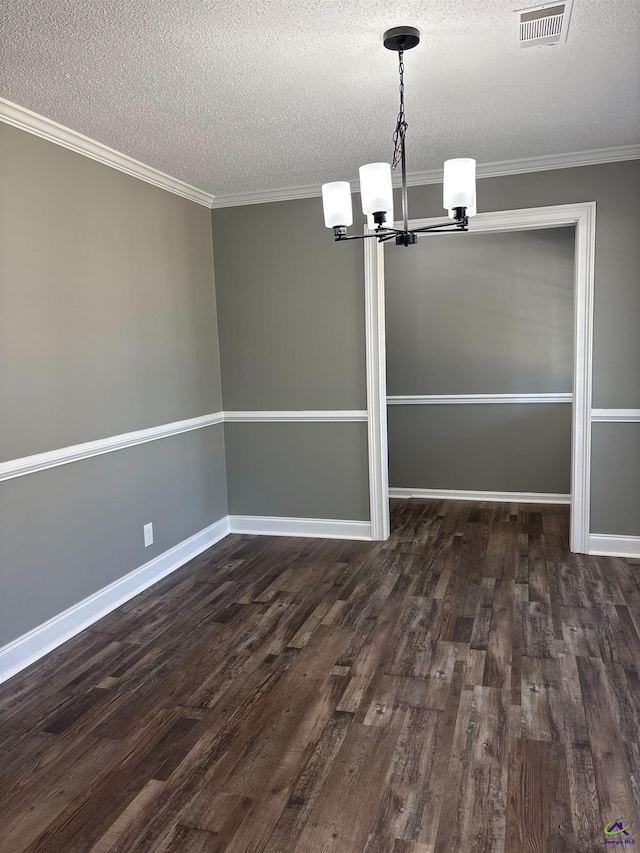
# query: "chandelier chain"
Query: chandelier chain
401,124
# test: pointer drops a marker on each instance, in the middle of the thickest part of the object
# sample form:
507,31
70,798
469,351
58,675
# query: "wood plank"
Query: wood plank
482,803
538,812
261,817
406,786
344,811
441,800
497,671
294,816
610,764
111,839
552,702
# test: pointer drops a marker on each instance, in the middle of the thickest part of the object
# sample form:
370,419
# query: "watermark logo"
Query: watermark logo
618,832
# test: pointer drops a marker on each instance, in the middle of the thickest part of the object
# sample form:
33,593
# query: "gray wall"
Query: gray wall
108,325
108,309
291,316
497,448
615,479
310,470
282,250
481,314
290,309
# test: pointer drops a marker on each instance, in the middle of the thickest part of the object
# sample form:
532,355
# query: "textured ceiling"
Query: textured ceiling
246,95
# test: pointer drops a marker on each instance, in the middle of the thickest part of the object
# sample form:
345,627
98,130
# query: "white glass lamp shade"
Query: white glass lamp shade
336,202
375,188
459,185
387,222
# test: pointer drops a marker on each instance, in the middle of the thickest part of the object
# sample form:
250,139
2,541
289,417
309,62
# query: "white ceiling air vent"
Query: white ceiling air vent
546,24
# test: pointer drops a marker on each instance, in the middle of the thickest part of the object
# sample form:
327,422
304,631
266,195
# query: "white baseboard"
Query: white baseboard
604,545
322,528
27,649
499,497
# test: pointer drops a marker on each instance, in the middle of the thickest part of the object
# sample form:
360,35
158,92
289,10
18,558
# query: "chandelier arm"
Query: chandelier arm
429,233
341,237
447,227
389,233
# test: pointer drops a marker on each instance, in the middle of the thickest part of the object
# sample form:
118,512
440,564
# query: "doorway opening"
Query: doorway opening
582,217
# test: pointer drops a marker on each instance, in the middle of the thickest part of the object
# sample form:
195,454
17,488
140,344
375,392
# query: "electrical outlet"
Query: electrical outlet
148,535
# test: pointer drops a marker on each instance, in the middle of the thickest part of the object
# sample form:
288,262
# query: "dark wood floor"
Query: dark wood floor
467,685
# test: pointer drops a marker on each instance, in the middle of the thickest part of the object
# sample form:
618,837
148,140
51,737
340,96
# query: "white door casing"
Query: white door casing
583,217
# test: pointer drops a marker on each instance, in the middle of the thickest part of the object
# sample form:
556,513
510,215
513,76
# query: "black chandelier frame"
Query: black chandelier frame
401,39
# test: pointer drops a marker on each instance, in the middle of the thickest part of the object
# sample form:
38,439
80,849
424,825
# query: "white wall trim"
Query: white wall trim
267,196
322,528
434,176
76,452
583,300
615,416
605,545
27,649
24,119
583,217
302,416
376,366
474,399
466,495
544,163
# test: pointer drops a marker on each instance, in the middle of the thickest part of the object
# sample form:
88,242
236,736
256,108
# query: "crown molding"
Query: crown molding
538,164
434,176
53,132
31,122
266,196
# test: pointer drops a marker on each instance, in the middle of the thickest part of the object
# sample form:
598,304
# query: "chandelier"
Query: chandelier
459,185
